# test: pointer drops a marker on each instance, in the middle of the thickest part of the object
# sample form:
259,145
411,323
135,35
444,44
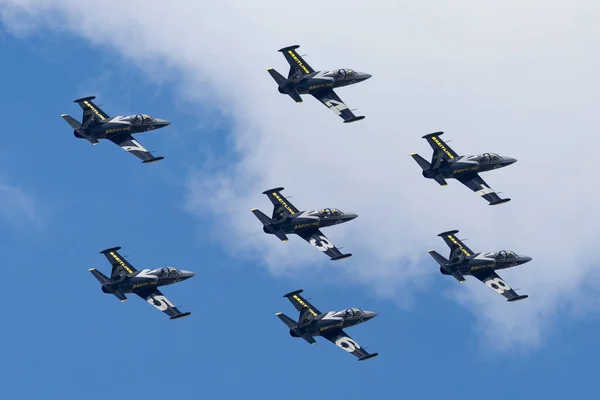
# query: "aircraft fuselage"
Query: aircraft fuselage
321,80
302,221
142,280
328,322
464,166
116,126
483,261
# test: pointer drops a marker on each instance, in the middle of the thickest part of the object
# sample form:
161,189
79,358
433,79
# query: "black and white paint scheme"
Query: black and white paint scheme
445,163
463,261
124,278
96,124
303,79
288,219
312,322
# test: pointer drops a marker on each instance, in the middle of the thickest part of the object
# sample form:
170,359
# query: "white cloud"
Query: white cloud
18,207
518,78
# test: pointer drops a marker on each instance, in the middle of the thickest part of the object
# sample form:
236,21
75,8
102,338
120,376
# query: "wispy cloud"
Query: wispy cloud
480,71
18,207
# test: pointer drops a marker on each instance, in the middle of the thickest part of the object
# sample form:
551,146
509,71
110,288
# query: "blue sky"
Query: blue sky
63,337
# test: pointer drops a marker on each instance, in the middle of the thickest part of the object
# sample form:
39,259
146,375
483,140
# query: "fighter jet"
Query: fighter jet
126,279
302,79
330,325
481,265
287,219
96,124
445,163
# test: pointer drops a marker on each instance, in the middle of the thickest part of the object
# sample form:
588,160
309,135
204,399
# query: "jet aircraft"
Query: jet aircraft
313,322
445,163
287,219
302,79
96,124
480,265
124,278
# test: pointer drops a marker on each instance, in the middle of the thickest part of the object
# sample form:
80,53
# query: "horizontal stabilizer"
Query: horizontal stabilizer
280,79
185,314
262,217
290,323
423,163
111,249
293,293
278,189
440,179
494,203
341,257
103,279
523,297
354,119
292,47
281,235
443,261
84,99
155,159
309,338
454,232
459,277
432,134
120,295
368,357
71,121
294,95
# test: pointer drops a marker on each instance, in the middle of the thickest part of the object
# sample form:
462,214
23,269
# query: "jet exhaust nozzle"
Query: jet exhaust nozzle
294,333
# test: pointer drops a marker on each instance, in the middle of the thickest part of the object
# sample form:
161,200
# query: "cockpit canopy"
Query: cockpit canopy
486,158
341,73
506,255
327,213
350,313
140,119
166,272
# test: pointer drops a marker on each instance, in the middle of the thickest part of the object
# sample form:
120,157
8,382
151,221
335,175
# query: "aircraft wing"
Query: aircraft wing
300,303
479,186
320,241
298,67
155,298
345,342
127,142
120,266
335,104
494,282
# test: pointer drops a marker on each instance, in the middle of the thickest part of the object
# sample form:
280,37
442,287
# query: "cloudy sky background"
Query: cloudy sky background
516,78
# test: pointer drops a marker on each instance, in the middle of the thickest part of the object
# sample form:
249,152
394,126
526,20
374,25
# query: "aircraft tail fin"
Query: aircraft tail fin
428,170
287,320
91,111
105,281
283,87
268,225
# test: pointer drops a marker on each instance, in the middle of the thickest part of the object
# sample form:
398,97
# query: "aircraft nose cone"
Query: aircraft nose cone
508,160
365,76
370,315
187,274
525,259
162,122
350,216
